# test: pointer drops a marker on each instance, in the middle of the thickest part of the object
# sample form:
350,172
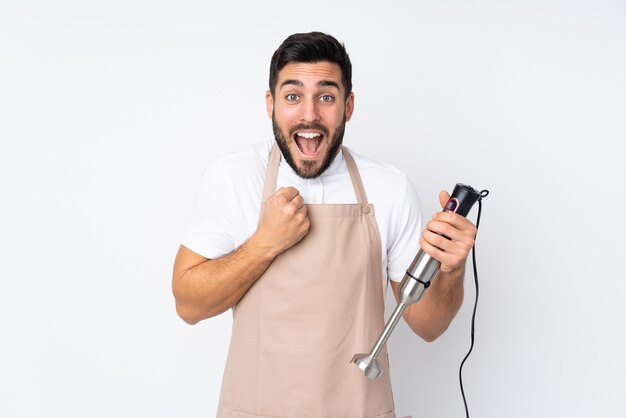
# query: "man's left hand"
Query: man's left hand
448,238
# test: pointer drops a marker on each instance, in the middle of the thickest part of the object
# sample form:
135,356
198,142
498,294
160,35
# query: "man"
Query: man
304,265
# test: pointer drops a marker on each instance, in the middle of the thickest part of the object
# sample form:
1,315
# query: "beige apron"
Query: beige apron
297,328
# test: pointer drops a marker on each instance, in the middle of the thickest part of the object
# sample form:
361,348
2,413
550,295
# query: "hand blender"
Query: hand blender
417,279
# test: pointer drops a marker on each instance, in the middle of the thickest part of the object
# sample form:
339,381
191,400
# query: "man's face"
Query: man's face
309,110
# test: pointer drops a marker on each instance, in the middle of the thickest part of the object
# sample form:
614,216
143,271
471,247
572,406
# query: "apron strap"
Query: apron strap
272,174
357,183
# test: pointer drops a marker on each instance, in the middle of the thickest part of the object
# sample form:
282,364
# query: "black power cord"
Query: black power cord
483,194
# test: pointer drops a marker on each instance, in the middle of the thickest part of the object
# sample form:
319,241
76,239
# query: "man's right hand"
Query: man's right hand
284,221
204,288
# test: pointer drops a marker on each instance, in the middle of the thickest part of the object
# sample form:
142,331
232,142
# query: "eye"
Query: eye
292,97
327,98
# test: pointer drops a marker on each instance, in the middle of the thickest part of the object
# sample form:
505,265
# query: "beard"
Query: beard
308,169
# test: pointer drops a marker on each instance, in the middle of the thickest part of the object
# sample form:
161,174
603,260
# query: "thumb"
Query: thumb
443,198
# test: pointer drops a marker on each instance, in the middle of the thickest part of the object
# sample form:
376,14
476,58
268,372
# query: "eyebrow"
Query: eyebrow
327,83
321,83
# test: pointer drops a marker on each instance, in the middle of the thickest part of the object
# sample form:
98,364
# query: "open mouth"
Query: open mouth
309,143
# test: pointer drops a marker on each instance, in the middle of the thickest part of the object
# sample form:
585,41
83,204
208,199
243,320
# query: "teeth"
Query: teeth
308,135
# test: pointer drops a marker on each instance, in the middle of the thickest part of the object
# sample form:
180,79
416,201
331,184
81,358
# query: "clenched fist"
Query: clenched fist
284,221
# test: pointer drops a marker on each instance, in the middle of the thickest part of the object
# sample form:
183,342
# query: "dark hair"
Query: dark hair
311,47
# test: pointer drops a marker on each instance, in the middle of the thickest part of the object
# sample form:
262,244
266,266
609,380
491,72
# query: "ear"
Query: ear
349,106
269,103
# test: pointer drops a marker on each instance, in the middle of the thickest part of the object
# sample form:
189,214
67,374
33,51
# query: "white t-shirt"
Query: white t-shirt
229,199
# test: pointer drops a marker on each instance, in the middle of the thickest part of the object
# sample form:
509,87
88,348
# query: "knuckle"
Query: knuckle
445,229
445,217
441,240
427,248
469,244
290,209
279,199
434,239
302,218
292,192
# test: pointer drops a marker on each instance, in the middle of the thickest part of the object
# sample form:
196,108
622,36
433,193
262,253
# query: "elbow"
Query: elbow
429,334
184,309
191,308
192,313
429,337
193,316
186,315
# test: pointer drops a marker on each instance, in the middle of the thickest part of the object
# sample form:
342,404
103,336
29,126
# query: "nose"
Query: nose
309,111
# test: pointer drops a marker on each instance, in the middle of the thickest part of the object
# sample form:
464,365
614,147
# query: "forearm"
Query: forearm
448,238
213,286
433,313
205,288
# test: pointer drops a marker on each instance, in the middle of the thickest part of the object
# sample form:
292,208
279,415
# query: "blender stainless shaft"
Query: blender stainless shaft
415,281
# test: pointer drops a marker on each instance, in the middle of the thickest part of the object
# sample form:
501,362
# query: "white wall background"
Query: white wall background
110,109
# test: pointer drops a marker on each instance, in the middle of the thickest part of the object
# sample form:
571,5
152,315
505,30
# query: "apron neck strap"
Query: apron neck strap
355,176
272,174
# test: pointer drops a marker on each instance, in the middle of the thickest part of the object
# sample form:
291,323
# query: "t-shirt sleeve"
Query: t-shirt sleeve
208,232
404,233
